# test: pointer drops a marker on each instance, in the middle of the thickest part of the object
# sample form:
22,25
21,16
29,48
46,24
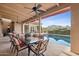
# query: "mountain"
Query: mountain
55,27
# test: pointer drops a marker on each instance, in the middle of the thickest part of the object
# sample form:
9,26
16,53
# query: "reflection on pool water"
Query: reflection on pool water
63,40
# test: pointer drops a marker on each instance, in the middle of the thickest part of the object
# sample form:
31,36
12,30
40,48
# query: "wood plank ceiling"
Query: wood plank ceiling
16,11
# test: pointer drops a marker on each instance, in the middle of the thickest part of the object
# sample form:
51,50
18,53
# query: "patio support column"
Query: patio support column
75,28
39,26
21,27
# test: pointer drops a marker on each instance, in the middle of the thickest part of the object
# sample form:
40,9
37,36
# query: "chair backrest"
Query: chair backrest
11,38
42,46
15,41
18,42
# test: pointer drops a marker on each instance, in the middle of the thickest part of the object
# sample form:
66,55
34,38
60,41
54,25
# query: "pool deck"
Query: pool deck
53,49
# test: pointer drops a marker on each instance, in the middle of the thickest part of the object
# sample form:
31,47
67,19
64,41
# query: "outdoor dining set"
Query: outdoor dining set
33,43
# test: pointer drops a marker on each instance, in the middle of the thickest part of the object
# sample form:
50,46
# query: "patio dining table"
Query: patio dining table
30,43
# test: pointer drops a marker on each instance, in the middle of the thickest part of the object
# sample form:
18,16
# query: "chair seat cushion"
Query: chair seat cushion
21,43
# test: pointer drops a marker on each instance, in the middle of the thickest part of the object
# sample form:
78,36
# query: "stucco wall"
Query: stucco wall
75,28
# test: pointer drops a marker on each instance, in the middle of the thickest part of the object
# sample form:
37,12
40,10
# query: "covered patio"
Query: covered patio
19,15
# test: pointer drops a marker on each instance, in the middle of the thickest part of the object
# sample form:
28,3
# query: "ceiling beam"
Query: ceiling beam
13,15
8,16
13,10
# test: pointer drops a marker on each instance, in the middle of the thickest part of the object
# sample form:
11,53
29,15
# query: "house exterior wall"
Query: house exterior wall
3,27
75,28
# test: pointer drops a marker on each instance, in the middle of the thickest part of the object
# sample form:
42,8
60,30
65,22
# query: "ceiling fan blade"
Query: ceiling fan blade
36,12
38,6
41,11
28,8
35,5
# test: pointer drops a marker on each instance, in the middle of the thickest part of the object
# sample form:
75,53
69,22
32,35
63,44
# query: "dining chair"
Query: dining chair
19,46
40,48
11,36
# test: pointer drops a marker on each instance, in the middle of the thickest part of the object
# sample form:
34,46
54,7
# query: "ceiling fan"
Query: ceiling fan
17,21
36,9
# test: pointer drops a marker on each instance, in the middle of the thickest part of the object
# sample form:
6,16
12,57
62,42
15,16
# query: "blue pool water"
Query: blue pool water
63,40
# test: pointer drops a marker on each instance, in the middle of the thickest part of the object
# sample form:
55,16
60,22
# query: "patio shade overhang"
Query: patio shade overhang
50,12
12,11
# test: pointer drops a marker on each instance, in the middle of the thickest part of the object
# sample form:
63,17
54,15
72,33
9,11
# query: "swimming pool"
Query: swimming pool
60,39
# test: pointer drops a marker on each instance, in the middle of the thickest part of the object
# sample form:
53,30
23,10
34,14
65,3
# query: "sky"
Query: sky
62,19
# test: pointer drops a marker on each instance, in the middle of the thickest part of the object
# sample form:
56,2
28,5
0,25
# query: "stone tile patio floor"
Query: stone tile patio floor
53,49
